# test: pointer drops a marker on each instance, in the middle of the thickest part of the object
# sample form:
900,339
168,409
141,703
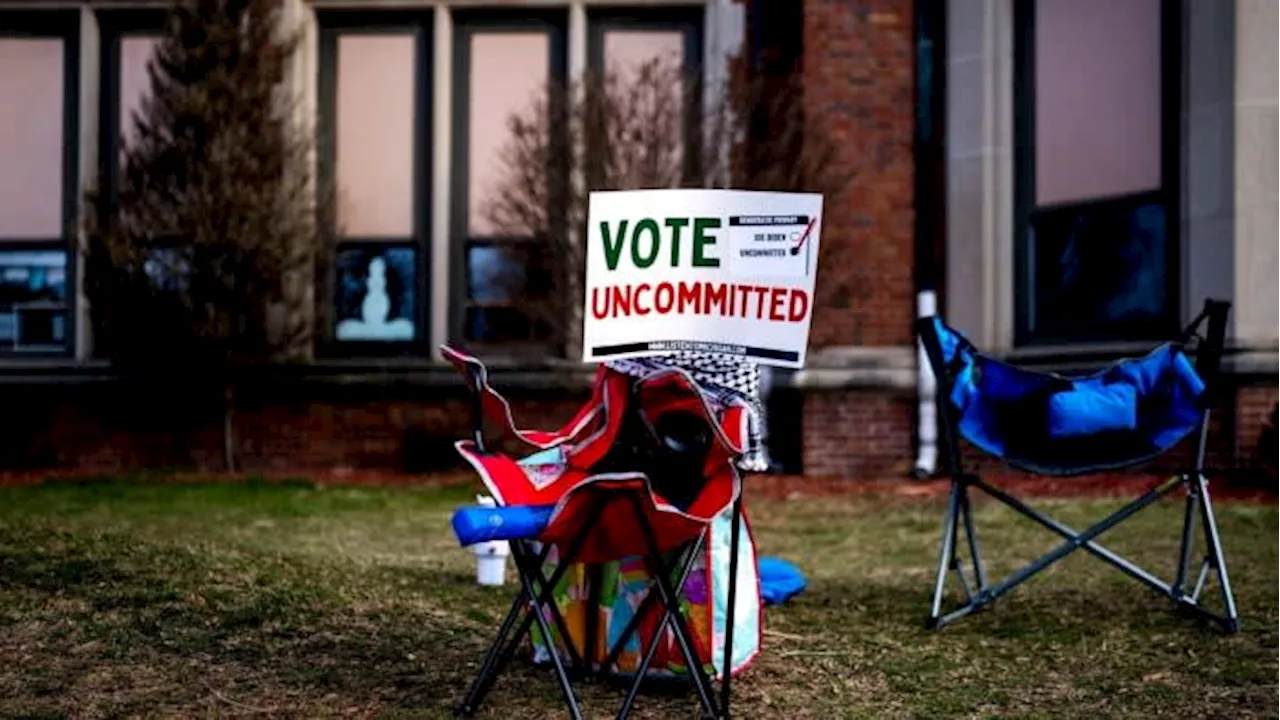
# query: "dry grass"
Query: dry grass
133,599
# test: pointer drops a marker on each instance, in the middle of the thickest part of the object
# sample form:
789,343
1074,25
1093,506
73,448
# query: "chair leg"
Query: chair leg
671,600
959,519
500,651
975,553
593,613
734,540
686,564
484,680
570,699
624,711
1199,508
1074,540
945,554
1187,546
547,597
1216,557
957,564
536,591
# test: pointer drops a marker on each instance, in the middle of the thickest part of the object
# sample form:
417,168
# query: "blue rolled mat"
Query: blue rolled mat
779,580
476,524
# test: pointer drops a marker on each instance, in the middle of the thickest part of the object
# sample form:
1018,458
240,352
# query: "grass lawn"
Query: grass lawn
126,598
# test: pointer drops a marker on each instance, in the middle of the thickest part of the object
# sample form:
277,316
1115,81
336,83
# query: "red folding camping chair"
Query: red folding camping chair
641,470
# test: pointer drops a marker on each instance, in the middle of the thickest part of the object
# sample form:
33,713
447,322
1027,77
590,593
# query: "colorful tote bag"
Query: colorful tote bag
623,585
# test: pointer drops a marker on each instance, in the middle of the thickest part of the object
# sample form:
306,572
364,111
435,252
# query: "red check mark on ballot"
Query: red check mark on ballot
805,236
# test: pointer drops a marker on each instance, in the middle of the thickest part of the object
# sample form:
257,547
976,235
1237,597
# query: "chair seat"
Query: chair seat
1052,424
658,439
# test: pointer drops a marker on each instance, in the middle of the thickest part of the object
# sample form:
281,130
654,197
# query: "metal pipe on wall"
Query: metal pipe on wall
930,204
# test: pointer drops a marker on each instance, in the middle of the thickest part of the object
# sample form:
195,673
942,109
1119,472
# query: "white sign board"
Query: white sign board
727,271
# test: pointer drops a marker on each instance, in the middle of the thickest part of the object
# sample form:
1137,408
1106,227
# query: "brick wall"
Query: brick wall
1254,407
858,86
117,427
859,434
851,434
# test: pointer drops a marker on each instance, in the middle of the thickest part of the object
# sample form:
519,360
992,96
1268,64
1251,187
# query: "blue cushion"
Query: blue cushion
1091,407
476,524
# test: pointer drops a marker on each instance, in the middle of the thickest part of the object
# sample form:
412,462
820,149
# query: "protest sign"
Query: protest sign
727,271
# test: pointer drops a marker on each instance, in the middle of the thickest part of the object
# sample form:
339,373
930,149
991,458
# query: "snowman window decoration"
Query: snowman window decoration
375,321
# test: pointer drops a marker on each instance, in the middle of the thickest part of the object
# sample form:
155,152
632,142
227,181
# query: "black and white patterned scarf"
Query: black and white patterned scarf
728,379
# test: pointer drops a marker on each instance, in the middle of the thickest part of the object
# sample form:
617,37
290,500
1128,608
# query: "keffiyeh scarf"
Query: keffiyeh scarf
729,380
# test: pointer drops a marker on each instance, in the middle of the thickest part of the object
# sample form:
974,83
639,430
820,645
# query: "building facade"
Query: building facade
1144,128
1066,179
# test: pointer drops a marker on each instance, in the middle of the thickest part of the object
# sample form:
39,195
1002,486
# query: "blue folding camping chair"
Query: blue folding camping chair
1051,424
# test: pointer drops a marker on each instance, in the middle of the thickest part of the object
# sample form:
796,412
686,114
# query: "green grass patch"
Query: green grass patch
288,599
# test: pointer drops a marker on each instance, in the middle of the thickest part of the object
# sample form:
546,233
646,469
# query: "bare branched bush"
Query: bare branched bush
202,253
654,127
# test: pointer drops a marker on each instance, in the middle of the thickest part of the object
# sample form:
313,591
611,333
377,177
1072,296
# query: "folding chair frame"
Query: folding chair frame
536,591
1198,504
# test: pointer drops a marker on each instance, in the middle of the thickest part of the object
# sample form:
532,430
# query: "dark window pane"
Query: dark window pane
541,330
497,325
1100,271
374,293
40,326
33,277
540,270
495,273
33,299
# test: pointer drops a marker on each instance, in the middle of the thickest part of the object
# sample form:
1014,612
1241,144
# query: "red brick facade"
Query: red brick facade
858,433
858,70
291,426
1255,408
859,78
852,434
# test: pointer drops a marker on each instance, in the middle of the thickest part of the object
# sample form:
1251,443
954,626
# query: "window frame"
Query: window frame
330,25
113,26
62,24
466,24
1168,195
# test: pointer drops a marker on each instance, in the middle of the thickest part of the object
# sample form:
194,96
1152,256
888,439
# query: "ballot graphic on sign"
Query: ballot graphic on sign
714,270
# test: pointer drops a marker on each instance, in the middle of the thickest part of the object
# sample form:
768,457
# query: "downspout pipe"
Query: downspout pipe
756,57
930,197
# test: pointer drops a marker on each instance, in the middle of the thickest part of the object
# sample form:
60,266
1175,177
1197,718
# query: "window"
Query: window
619,44
503,66
39,61
129,40
375,87
1096,168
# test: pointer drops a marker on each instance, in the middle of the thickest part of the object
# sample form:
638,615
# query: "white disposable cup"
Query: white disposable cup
491,569
491,557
